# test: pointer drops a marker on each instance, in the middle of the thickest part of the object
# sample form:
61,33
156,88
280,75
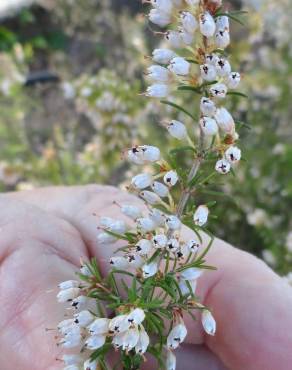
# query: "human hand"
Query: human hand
43,234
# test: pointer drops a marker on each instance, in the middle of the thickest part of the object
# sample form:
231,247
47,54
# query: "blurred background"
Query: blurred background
70,76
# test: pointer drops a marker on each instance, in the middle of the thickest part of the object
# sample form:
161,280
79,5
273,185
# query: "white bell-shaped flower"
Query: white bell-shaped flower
189,22
163,5
159,17
160,189
179,66
222,39
143,341
223,166
172,245
143,247
163,56
191,273
207,24
135,260
219,90
208,72
136,316
150,269
157,91
90,365
209,126
233,80
159,74
141,181
193,245
72,359
146,224
208,322
131,211
187,287
159,241
100,326
83,318
130,339
69,284
177,129
81,302
67,295
119,324
222,23
187,38
174,39
176,336
94,342
157,216
225,120
150,197
173,222
207,107
66,326
106,238
211,59
119,262
201,215
233,154
223,67
170,178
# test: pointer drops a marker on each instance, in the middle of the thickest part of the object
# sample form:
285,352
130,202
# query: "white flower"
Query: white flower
131,211
170,361
209,126
208,322
191,273
95,342
177,129
225,120
72,359
144,154
142,181
67,295
222,166
150,197
233,80
211,59
143,341
130,339
116,226
159,73
159,241
81,302
150,269
160,189
67,326
119,324
170,178
143,247
176,336
84,270
90,365
219,90
157,216
119,262
135,260
201,215
207,24
208,72
100,326
159,17
193,245
179,66
189,22
187,38
163,5
222,23
223,67
72,341
208,107
173,222
136,317
163,56
146,224
233,154
174,39
69,284
222,39
105,238
158,91
83,318
172,245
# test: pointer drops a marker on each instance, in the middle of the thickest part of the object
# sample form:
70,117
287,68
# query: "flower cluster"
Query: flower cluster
151,286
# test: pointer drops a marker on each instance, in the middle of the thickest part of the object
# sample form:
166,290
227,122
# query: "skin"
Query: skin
43,234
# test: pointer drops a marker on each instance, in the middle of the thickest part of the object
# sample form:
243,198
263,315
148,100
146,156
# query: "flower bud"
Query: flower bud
163,56
177,130
160,189
208,72
233,80
146,224
179,66
201,215
207,24
208,107
233,154
143,247
176,336
141,181
219,91
90,365
189,22
174,39
131,211
209,126
83,318
170,178
159,73
118,262
159,241
192,273
150,197
225,120
173,222
208,322
157,91
150,269
222,166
